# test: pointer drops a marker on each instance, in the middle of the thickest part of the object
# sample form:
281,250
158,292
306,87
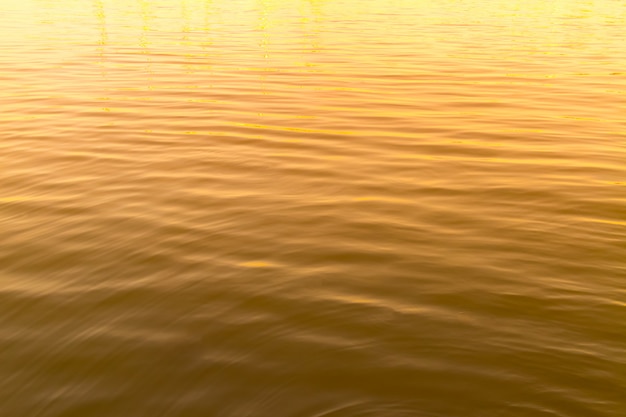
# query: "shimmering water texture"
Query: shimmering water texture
312,208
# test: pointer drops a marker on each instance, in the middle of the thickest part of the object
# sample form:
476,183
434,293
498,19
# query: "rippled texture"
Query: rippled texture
325,208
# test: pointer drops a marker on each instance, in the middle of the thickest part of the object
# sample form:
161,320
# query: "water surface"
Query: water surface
330,208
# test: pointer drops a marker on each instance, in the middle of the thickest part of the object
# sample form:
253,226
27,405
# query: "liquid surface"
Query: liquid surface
327,208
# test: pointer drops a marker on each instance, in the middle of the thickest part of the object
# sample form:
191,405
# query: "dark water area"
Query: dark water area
325,208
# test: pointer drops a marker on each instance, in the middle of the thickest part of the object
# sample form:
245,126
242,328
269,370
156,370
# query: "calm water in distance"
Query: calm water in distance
312,208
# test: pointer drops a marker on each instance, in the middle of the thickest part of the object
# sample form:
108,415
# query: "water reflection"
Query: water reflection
312,208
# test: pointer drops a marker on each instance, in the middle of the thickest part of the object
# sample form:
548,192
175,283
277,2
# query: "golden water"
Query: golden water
312,208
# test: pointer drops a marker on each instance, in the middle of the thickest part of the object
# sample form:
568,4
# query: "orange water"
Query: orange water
301,208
